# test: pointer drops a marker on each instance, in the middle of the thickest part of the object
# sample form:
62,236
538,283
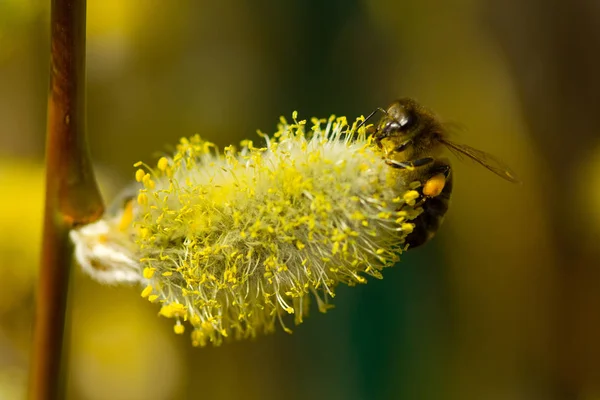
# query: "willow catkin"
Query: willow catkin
234,242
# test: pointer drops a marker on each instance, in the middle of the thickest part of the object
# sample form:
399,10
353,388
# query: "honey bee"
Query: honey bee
412,139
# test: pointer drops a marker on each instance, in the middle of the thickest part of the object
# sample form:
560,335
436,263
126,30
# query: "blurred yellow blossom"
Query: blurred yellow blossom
13,381
118,351
21,207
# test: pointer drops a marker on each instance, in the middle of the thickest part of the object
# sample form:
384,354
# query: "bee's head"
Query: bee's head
400,122
403,121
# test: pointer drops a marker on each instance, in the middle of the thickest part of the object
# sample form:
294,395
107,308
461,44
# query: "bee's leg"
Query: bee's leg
436,189
409,164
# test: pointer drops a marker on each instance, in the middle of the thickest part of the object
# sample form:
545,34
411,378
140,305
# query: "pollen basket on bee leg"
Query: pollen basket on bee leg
434,185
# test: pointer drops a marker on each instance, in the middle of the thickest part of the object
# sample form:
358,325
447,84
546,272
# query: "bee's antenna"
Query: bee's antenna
370,115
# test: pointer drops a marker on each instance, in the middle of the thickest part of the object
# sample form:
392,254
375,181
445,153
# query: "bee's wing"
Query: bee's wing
487,160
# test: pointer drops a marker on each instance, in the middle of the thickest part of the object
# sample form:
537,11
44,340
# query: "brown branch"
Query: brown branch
72,195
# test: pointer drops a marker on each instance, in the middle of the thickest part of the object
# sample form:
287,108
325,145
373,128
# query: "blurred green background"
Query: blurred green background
503,304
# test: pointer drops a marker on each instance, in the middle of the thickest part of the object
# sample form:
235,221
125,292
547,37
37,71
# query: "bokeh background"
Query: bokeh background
503,304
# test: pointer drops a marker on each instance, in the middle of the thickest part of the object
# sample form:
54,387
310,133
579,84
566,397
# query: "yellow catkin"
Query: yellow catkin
237,242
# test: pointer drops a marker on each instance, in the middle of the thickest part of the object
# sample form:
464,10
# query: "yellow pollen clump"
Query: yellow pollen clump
163,163
147,290
127,216
148,272
142,199
179,328
411,196
139,175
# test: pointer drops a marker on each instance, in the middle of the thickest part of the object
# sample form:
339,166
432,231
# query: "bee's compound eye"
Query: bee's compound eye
399,122
401,119
392,126
404,120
